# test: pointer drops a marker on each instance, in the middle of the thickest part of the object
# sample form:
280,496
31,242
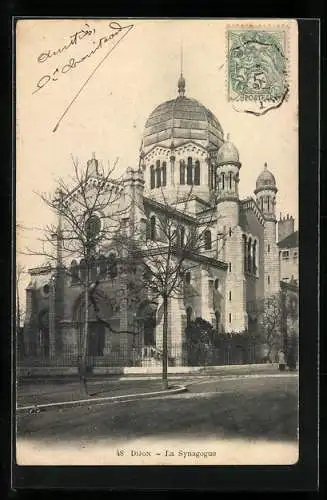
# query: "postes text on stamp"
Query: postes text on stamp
257,66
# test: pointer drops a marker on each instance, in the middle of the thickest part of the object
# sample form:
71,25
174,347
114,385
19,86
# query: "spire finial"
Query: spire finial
227,136
181,81
93,156
265,165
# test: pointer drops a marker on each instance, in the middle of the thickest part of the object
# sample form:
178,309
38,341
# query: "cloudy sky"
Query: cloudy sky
108,115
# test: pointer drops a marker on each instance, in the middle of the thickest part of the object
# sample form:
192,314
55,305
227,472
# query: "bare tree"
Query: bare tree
270,323
91,209
171,248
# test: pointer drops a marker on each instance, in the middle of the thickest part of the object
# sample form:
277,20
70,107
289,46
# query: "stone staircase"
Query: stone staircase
151,356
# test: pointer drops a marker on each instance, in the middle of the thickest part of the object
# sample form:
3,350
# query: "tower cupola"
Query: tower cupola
227,170
266,192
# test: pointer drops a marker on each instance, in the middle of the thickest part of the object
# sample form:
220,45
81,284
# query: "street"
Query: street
246,409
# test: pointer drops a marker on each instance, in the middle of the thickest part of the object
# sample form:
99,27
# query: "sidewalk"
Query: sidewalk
49,390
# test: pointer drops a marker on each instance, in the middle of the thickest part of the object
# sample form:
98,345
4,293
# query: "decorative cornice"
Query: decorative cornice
266,188
222,163
188,255
163,208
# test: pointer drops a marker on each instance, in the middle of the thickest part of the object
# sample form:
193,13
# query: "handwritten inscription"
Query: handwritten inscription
74,39
53,76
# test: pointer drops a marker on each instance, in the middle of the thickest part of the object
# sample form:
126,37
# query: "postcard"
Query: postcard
157,278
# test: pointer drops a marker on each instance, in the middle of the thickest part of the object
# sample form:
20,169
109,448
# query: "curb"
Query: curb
108,399
156,377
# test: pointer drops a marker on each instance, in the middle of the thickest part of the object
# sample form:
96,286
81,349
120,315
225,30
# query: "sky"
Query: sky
108,115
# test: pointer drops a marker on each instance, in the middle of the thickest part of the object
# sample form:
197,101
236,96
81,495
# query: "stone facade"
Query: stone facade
183,151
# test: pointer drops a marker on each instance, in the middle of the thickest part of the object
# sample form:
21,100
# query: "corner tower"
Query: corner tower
265,192
229,236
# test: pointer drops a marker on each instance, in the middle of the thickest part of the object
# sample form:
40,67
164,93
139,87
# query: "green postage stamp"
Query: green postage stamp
257,66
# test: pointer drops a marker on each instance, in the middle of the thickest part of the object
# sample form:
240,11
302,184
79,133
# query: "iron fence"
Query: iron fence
187,354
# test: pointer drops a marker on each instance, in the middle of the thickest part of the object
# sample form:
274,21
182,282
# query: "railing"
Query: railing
150,351
124,355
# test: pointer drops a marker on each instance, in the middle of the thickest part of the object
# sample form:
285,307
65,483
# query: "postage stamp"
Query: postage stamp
257,66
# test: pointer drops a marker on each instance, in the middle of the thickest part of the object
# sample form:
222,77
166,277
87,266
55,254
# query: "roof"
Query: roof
182,119
227,153
265,180
291,241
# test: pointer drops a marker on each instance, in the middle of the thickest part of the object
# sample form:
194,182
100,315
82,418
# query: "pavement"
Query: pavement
48,393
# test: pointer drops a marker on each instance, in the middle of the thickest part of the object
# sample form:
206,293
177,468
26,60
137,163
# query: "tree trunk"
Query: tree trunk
83,364
165,345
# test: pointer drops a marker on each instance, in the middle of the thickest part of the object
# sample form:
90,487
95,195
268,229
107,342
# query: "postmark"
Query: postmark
257,68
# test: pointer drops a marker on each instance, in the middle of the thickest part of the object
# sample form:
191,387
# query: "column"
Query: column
172,170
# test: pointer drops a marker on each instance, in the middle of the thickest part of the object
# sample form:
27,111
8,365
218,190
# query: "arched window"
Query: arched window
93,269
230,180
230,267
164,173
207,240
188,315
230,296
74,271
249,255
197,173
210,176
83,269
112,265
268,280
182,236
223,180
262,204
152,177
268,203
187,278
244,252
182,172
158,173
153,228
217,316
254,257
230,232
102,264
189,175
217,284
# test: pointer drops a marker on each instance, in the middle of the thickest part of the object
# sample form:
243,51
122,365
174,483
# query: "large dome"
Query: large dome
181,120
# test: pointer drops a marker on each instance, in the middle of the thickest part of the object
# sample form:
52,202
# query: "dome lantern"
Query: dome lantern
181,86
